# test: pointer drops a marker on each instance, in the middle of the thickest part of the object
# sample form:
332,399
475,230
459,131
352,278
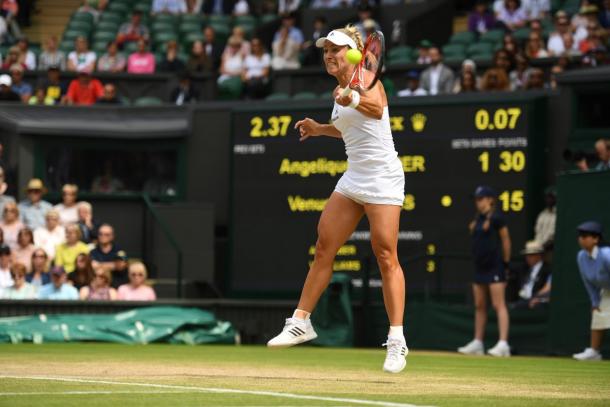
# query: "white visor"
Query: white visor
337,38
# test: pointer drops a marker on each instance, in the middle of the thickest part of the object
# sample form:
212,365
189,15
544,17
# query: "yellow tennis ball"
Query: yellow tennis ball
353,56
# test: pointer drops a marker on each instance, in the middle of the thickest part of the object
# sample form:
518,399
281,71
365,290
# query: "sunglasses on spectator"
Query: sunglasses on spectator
136,274
10,210
44,256
68,193
16,276
105,234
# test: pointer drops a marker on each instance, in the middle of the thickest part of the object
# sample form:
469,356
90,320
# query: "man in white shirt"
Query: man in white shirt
438,78
536,9
51,235
555,44
536,285
545,223
169,7
412,88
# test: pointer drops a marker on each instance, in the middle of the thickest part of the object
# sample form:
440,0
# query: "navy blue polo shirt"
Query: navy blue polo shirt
486,244
98,255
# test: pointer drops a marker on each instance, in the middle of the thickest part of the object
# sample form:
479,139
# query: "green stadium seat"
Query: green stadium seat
87,17
479,48
114,17
143,7
119,7
192,19
304,96
99,47
245,20
454,59
230,89
400,60
104,36
79,25
455,48
130,47
390,88
268,18
166,18
66,46
222,32
162,26
522,34
278,96
163,37
190,38
187,27
107,26
399,51
492,36
482,57
71,35
148,101
464,37
219,19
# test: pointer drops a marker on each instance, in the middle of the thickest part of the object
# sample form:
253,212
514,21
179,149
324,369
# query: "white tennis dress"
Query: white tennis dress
374,173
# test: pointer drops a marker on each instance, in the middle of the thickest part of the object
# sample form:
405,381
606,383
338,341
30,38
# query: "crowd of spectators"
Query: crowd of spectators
60,251
575,41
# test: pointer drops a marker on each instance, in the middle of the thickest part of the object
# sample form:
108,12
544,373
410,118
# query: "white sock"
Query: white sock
503,343
478,341
396,331
307,314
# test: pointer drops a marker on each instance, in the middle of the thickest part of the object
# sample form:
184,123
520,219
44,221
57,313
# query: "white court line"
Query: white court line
217,390
61,393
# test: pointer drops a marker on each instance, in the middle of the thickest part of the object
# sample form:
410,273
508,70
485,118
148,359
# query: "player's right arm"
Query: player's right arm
311,128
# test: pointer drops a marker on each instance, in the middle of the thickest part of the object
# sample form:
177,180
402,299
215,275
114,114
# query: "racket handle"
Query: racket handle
346,92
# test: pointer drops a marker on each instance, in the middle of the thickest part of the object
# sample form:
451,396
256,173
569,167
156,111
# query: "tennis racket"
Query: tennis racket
368,70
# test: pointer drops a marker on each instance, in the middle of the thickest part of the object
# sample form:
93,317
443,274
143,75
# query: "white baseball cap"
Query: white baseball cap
5,80
337,38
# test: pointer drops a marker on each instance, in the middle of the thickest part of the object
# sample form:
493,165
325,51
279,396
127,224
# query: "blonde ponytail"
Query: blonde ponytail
351,31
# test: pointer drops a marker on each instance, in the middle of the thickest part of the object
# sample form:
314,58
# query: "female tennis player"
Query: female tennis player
372,185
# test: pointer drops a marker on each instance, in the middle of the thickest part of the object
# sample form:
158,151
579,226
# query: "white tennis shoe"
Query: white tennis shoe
501,350
396,356
295,331
588,354
474,347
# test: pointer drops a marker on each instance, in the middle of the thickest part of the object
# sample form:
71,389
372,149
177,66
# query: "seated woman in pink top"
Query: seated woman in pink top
137,290
141,61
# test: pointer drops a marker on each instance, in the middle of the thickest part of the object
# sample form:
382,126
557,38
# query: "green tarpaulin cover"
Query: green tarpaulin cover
140,325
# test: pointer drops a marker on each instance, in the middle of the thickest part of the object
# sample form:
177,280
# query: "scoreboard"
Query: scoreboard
446,147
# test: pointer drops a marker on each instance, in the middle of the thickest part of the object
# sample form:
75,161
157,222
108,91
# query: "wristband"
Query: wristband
355,100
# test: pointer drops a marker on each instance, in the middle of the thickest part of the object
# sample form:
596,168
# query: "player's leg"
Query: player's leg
384,222
337,222
497,293
475,347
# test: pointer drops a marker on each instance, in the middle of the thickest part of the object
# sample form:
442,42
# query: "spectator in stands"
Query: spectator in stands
438,78
413,88
51,56
53,85
67,209
9,9
132,31
468,82
535,47
12,57
24,248
6,93
28,58
6,280
481,19
87,225
11,224
288,6
491,248
311,53
535,79
3,187
83,272
519,76
92,9
34,208
232,60
39,269
198,59
110,96
581,23
241,8
536,9
21,289
171,62
602,149
81,59
509,44
534,284
495,79
295,34
142,61
555,70
365,23
285,52
256,71
468,65
168,7
604,15
84,90
20,87
240,33
112,61
330,3
67,252
109,255
218,7
545,222
512,16
213,50
99,289
51,235
595,38
137,290
107,183
193,6
4,34
40,98
594,266
556,44
423,51
58,288
185,92
503,60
